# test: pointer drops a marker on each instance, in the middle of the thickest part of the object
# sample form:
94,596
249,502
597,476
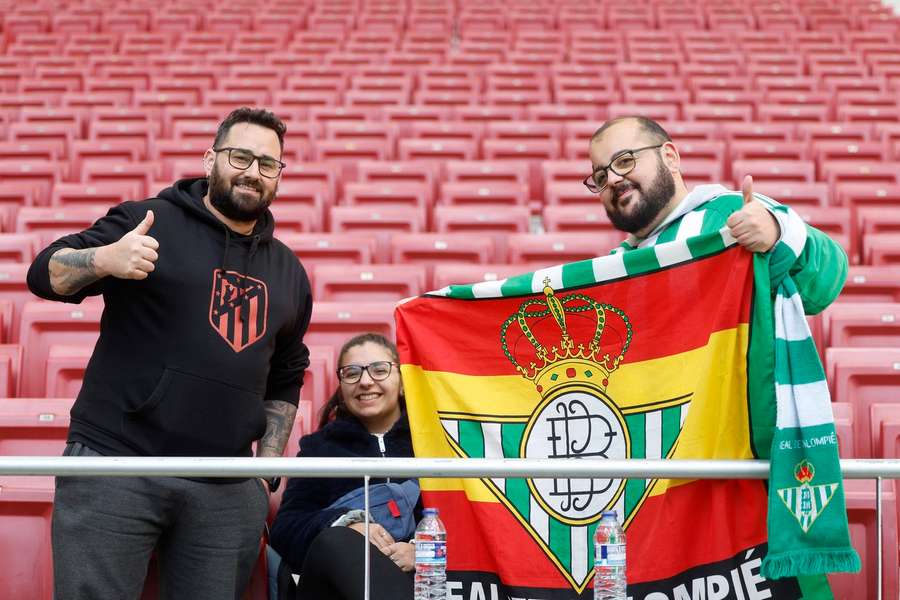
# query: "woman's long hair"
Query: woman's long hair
335,408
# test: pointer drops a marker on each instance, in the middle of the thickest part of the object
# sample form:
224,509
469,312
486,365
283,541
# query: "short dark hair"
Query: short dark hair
256,116
648,126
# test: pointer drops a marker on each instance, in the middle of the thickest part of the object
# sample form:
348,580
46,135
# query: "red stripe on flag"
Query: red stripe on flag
464,336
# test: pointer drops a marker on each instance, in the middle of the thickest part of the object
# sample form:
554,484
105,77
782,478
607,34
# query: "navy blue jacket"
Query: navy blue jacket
304,508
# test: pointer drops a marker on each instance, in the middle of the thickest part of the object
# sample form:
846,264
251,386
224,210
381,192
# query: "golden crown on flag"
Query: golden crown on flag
563,361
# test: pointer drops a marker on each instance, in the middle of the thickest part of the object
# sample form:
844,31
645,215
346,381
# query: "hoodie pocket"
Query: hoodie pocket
189,415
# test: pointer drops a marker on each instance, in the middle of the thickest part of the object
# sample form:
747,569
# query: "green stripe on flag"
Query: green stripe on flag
671,427
561,543
634,488
471,438
518,493
797,372
510,437
578,273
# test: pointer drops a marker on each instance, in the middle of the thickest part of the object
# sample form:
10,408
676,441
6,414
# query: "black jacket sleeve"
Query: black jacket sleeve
303,514
108,229
291,357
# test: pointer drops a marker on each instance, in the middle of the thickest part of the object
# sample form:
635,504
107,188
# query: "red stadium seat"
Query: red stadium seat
568,193
319,383
434,149
40,175
491,193
14,290
331,248
26,506
395,193
843,425
872,284
774,171
546,250
65,370
381,223
462,274
796,195
296,218
345,283
768,132
102,171
885,430
881,248
835,221
863,377
45,324
430,249
348,153
768,150
107,194
863,325
333,323
487,172
575,219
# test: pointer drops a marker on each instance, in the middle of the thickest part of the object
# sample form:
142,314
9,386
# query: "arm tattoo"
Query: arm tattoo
71,270
279,421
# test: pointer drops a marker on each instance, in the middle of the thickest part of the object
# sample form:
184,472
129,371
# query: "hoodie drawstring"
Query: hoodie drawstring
245,300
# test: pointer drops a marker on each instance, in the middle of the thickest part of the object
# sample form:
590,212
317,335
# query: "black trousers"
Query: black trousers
334,569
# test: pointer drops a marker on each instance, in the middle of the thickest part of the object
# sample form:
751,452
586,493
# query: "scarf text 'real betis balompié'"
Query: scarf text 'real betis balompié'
659,353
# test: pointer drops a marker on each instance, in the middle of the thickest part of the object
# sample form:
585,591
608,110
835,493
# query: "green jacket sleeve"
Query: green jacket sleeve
819,271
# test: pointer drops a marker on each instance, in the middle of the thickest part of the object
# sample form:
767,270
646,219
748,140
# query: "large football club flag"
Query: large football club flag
661,352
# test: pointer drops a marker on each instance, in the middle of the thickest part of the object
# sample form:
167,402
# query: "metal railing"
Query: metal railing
435,467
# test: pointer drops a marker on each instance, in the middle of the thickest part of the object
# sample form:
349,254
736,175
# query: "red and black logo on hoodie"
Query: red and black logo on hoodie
238,309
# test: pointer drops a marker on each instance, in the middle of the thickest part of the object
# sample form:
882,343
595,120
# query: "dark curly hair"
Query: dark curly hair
257,116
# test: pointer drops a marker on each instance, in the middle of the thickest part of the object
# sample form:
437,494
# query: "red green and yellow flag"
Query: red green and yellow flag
612,358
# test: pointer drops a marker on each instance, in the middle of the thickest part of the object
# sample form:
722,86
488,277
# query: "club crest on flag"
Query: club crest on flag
569,347
806,502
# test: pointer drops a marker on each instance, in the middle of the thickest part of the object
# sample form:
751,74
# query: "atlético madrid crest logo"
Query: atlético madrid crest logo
569,347
233,294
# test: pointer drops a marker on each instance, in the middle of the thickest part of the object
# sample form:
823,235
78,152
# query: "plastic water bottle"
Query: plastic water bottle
431,558
609,558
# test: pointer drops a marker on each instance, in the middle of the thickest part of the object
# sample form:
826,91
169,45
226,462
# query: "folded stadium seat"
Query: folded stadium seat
65,369
797,195
774,171
384,79
100,171
157,102
702,171
839,173
495,221
834,221
406,116
726,18
350,59
797,83
866,283
184,168
566,77
718,113
718,97
333,323
881,248
330,248
864,97
225,101
51,223
777,65
26,506
39,150
486,182
120,150
366,283
860,499
385,133
798,112
705,68
107,194
306,418
376,100
302,102
461,274
16,101
875,115
488,114
862,324
658,112
449,149
165,85
885,430
10,365
417,195
14,294
139,134
202,116
250,80
734,83
534,251
575,219
19,247
523,97
347,153
572,107
687,131
44,324
889,133
680,98
523,131
54,116
851,133
430,249
296,218
87,101
743,149
323,173
569,193
446,130
58,134
793,98
381,223
843,425
529,152
167,152
411,171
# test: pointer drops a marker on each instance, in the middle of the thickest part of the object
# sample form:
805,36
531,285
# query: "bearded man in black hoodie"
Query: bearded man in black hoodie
200,354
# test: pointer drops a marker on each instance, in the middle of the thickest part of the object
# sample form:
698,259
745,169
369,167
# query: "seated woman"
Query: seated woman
365,417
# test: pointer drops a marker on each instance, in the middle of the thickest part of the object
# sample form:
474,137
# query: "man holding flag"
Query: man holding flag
678,345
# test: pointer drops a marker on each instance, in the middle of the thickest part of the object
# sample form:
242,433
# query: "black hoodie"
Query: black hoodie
187,356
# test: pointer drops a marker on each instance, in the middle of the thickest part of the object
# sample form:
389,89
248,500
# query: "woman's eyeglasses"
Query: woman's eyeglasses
378,371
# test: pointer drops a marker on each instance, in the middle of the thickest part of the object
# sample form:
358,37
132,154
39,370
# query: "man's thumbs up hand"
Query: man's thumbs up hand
754,227
133,256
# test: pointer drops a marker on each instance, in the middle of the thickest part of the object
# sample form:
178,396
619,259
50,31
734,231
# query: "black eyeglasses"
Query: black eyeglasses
378,371
241,158
621,165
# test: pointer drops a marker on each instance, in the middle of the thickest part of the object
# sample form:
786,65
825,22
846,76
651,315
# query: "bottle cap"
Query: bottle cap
610,513
431,511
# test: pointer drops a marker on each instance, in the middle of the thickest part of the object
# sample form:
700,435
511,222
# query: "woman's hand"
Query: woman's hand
403,554
378,535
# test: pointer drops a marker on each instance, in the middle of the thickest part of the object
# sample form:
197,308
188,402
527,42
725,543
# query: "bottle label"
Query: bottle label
610,555
431,553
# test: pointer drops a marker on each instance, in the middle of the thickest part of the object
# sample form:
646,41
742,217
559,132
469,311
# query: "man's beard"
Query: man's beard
652,201
235,204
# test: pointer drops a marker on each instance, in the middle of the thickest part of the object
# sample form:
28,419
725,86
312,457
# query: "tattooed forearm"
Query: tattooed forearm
279,421
71,270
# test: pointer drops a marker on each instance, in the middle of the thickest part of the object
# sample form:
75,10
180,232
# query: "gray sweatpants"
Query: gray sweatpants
104,530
